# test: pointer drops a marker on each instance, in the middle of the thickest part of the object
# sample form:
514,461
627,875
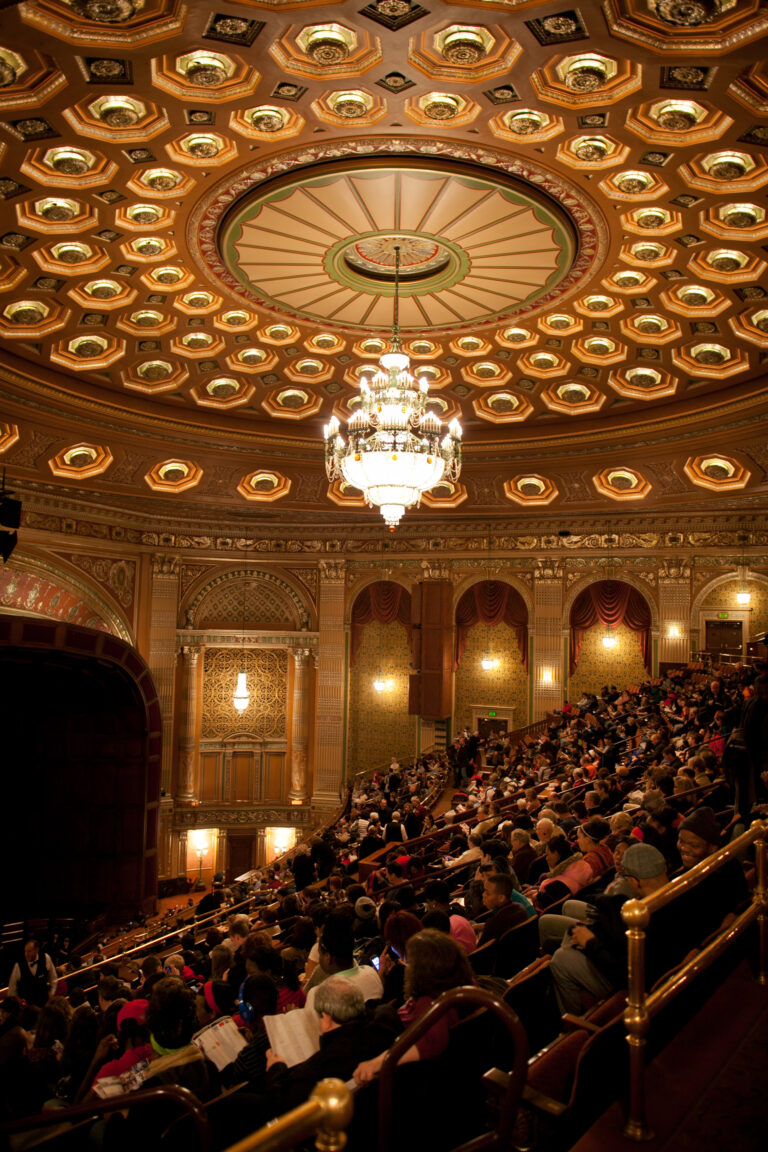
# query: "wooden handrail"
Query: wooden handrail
325,1115
173,1093
642,1006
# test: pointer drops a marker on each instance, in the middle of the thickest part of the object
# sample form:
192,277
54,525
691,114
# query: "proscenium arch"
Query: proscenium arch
302,612
31,567
92,670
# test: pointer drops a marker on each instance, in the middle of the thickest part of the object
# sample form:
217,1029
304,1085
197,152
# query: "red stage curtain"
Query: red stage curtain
610,602
490,602
383,602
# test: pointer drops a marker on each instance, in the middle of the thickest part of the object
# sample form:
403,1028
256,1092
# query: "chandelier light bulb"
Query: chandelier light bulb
242,696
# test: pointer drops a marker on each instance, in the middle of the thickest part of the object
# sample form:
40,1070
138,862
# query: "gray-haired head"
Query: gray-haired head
340,998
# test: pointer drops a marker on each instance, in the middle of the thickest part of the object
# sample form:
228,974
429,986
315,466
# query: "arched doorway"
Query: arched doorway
380,667
608,610
491,662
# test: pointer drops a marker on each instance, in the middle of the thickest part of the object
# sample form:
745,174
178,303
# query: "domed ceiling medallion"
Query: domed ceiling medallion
475,246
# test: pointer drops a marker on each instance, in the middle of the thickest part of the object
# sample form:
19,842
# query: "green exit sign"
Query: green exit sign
722,615
491,714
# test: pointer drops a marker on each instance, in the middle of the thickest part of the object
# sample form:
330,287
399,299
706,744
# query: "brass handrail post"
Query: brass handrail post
636,916
326,1114
760,898
336,1101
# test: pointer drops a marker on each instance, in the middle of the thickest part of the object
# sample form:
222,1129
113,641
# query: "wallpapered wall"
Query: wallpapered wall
505,686
267,671
379,723
597,666
724,597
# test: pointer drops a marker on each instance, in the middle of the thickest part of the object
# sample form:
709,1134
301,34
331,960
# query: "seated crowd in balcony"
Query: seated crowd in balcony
619,792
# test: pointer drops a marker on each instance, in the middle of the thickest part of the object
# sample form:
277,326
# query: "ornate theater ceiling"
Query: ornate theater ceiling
199,206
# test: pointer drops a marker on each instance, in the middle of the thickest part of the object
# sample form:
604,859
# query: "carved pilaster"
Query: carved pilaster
331,681
162,648
300,728
333,571
547,627
185,790
674,611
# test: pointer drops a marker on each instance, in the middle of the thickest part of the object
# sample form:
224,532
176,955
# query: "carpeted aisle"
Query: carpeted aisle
708,1090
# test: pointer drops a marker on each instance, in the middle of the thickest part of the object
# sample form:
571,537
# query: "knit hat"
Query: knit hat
365,909
702,823
133,1010
643,861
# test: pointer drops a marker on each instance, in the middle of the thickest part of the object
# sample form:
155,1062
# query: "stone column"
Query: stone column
674,611
547,625
331,685
220,863
185,787
163,609
299,728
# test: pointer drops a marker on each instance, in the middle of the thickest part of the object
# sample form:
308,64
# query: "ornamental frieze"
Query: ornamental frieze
201,817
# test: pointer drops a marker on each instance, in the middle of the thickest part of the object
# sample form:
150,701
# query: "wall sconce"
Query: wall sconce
547,676
488,663
674,632
609,642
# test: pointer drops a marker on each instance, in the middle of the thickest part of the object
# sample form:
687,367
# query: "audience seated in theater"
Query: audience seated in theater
438,899
505,912
336,948
435,963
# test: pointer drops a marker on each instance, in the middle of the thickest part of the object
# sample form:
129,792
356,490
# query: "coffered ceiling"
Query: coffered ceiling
198,212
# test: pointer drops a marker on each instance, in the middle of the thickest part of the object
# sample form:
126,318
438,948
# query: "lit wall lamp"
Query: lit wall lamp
609,642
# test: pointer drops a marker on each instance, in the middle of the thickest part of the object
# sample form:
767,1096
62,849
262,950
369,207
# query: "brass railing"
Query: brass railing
643,1006
325,1116
498,1140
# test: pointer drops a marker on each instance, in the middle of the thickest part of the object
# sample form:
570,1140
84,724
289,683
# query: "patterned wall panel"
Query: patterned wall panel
724,598
597,665
505,686
379,724
265,716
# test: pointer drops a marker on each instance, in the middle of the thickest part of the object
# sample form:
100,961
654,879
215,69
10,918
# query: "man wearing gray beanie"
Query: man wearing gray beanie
592,958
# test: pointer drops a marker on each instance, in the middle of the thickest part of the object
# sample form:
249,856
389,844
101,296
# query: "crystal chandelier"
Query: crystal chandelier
394,451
